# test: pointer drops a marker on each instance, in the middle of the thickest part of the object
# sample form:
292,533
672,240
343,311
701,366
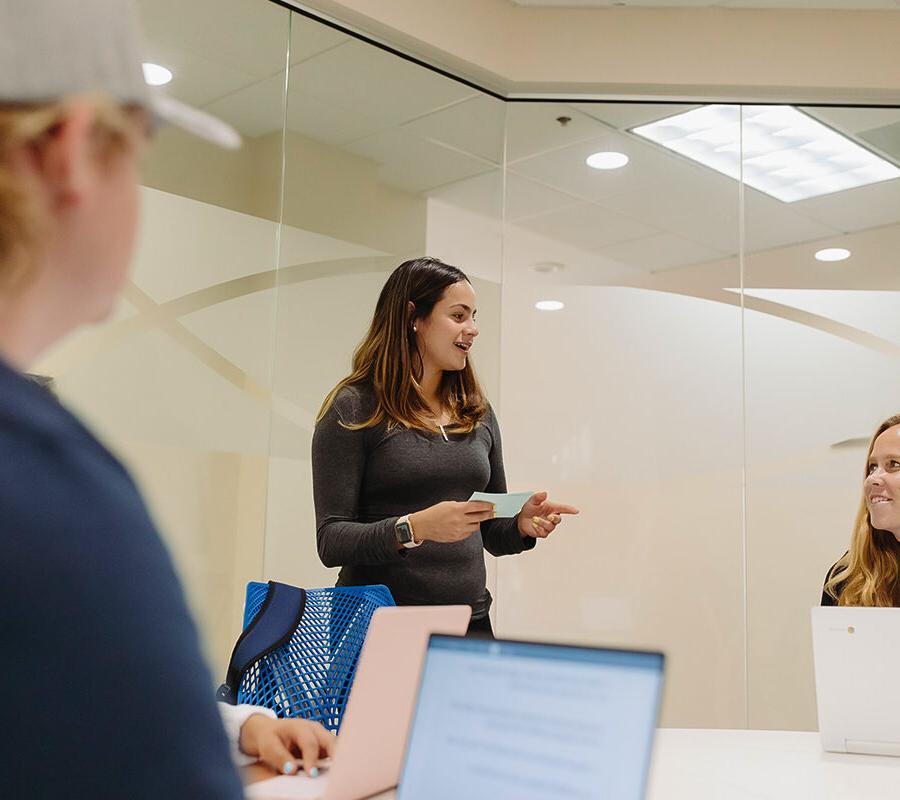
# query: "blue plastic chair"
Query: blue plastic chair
310,676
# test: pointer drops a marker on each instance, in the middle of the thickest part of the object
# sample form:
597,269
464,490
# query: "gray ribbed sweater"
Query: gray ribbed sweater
364,480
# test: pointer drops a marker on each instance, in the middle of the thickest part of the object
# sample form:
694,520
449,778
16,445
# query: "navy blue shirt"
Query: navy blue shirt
103,690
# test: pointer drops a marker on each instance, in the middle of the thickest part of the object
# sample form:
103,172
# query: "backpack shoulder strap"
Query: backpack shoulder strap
273,625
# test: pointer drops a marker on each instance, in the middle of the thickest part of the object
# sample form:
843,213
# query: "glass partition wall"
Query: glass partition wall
822,343
179,381
694,379
621,394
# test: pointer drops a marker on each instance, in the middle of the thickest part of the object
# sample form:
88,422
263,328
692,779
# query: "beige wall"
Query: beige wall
808,393
640,425
327,190
644,438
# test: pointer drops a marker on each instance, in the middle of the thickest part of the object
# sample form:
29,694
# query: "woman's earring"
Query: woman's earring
415,329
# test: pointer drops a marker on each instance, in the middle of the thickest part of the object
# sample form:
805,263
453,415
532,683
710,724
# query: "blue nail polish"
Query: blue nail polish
289,768
314,772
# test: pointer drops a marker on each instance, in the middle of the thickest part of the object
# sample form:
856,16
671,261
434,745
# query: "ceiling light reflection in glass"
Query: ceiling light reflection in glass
608,160
786,153
156,75
832,254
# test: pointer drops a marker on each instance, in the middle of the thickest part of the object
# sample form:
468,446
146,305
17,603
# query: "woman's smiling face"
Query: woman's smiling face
446,335
882,484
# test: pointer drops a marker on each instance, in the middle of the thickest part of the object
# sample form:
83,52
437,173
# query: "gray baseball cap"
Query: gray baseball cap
51,49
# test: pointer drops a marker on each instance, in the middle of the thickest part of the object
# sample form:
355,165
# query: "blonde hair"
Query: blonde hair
868,574
388,358
21,221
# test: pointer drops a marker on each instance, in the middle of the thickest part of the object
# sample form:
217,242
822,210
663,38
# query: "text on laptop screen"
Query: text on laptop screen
520,721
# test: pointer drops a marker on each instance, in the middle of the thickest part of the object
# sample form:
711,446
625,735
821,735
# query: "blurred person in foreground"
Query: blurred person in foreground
106,693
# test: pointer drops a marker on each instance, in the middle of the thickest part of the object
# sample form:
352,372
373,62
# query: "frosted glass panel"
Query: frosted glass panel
823,351
179,382
627,401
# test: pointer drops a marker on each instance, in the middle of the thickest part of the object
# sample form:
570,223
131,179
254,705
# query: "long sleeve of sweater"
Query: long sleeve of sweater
339,464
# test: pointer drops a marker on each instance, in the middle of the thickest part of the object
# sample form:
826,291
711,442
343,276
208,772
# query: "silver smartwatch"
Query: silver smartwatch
404,530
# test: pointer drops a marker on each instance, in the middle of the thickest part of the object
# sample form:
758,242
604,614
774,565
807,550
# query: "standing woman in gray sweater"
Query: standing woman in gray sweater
402,442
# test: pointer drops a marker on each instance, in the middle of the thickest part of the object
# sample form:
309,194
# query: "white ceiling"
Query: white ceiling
431,135
853,5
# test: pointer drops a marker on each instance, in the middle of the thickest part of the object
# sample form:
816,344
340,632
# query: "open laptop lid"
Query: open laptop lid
528,721
857,653
373,733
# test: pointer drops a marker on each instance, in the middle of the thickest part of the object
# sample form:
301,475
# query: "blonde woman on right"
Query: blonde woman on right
868,574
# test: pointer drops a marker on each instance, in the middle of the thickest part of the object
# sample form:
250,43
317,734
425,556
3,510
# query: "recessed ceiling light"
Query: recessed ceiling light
832,254
156,75
548,266
549,305
780,151
608,160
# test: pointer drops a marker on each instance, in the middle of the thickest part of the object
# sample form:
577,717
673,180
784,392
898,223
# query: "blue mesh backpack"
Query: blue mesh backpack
299,649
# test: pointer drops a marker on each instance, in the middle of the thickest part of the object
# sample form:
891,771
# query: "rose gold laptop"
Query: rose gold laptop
376,721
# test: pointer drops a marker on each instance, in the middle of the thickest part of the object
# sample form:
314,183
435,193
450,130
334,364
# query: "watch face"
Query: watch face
404,533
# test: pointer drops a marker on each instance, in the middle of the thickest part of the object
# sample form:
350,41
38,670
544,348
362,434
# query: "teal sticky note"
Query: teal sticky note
505,505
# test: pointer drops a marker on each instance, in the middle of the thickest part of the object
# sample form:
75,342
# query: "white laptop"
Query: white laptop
503,720
857,658
370,746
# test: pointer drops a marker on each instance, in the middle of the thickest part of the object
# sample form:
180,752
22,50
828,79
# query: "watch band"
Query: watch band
404,530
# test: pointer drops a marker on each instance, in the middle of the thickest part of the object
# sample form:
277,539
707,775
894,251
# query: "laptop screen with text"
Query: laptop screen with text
519,720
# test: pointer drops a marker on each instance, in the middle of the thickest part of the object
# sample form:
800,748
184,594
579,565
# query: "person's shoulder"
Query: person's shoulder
33,419
489,419
30,409
356,393
836,566
354,403
828,599
61,487
53,444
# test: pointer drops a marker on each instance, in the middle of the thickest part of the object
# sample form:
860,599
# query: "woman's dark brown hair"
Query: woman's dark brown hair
389,361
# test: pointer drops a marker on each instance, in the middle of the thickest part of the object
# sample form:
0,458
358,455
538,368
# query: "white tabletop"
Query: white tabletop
748,765
764,765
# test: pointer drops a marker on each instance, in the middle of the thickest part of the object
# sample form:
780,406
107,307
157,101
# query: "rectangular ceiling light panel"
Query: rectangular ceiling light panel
786,153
